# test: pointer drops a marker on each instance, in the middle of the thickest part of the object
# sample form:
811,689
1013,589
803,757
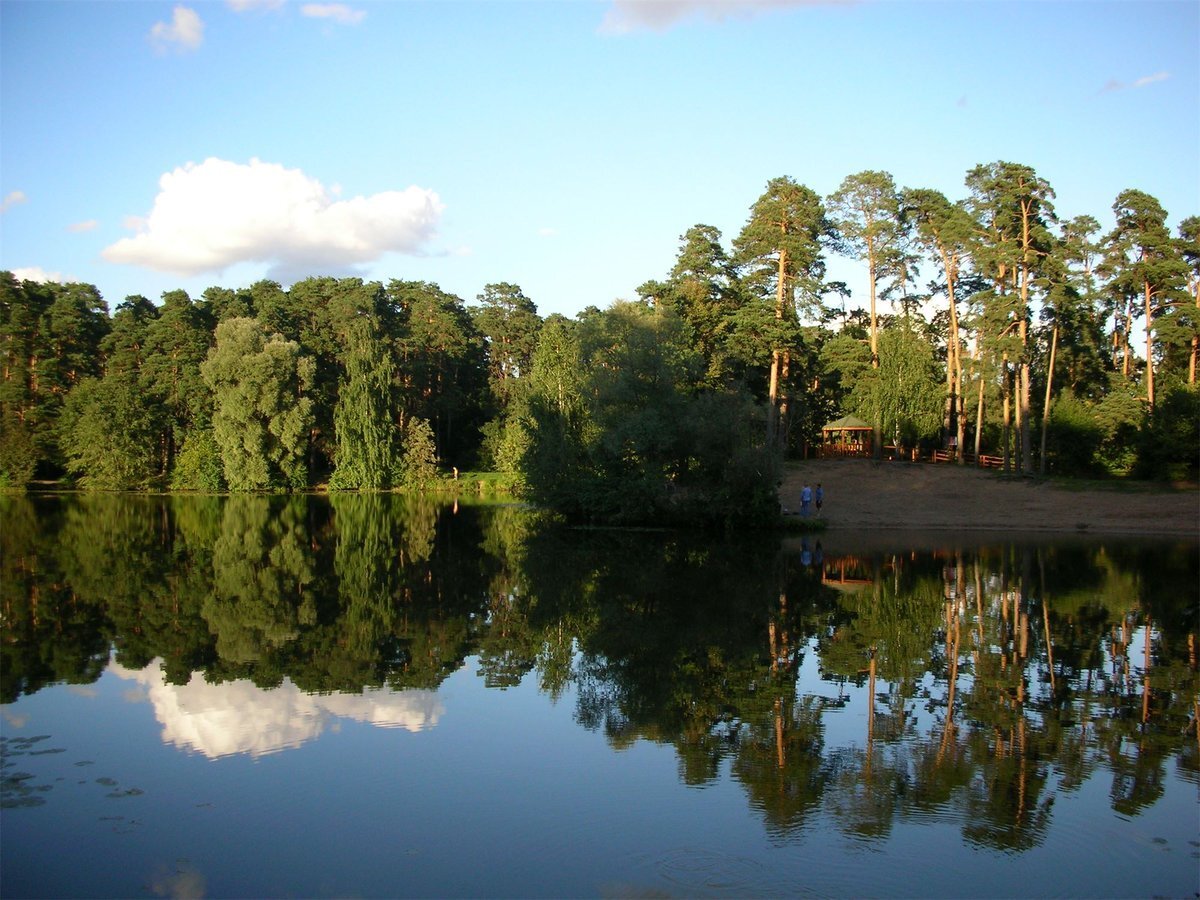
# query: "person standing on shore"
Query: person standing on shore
805,499
820,497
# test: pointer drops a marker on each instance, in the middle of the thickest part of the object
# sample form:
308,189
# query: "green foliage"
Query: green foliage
1168,449
316,387
1120,415
508,322
787,220
419,460
198,465
18,454
107,434
262,417
50,339
366,431
441,363
904,394
865,211
616,435
704,291
1075,438
505,443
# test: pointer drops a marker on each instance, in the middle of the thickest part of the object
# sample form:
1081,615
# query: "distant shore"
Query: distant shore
866,495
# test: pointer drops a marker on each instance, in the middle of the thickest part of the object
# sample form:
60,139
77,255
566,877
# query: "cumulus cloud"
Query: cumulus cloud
1114,85
40,275
338,12
210,216
13,198
238,717
184,32
80,227
624,16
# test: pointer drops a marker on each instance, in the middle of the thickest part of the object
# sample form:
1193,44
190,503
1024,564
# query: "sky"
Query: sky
561,146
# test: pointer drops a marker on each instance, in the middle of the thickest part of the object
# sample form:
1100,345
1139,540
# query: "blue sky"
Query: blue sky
563,146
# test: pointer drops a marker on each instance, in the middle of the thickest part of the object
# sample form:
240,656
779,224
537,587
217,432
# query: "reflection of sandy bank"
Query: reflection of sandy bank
239,717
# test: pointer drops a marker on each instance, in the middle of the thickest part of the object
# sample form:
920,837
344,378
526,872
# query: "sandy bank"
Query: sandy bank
864,495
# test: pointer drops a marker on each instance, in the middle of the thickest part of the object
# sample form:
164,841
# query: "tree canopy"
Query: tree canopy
730,361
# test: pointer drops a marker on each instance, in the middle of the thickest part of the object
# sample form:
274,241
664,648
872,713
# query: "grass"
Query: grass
482,483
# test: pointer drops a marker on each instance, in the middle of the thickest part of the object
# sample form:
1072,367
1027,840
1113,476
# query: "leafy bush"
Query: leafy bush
198,464
419,457
108,436
1168,447
1074,440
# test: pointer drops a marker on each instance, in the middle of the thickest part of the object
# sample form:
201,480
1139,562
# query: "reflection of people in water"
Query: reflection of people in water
805,553
819,556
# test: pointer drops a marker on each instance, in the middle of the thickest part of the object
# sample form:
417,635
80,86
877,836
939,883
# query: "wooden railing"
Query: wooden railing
984,461
843,451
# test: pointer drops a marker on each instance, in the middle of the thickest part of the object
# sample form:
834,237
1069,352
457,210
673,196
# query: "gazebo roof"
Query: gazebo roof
847,423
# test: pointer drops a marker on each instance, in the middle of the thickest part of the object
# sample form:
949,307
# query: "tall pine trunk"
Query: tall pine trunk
1147,295
1046,406
954,362
979,411
775,385
1006,391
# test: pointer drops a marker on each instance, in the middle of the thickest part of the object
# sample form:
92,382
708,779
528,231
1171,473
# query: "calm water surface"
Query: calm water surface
377,696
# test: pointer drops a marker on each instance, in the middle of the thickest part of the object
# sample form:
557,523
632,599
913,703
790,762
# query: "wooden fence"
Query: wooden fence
984,462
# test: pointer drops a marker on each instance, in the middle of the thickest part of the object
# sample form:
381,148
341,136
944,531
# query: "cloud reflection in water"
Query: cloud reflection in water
240,717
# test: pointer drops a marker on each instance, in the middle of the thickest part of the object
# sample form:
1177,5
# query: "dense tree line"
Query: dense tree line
990,326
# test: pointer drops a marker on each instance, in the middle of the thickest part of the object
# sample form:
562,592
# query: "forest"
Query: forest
989,325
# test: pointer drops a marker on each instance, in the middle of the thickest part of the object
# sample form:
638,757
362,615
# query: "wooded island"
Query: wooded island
990,326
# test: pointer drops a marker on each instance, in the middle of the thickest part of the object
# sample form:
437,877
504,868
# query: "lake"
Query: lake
383,696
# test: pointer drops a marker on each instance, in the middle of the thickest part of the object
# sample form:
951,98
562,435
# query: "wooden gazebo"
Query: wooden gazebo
847,436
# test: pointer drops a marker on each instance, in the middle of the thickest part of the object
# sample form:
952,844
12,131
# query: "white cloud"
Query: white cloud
40,275
624,16
185,32
239,717
254,5
12,199
339,12
547,232
80,227
1150,79
1114,85
210,216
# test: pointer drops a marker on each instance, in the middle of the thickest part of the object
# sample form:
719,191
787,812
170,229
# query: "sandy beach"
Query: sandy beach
863,495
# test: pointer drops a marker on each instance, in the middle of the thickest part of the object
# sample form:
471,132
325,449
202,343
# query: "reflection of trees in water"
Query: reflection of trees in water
49,633
985,683
262,567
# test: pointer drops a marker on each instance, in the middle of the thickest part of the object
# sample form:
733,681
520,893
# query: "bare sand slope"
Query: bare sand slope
861,494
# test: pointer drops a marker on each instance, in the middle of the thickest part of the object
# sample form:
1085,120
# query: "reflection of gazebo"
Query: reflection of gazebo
846,436
846,573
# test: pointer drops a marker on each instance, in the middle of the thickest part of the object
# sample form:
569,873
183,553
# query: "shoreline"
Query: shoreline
865,495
